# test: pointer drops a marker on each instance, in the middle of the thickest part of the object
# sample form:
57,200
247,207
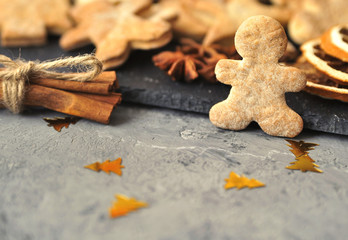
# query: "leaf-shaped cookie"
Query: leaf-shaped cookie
24,24
115,30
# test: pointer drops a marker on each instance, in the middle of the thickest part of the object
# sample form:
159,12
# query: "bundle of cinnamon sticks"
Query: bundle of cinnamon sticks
92,100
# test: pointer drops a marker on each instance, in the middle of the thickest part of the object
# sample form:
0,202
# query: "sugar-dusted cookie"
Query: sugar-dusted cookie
115,30
258,82
26,23
315,17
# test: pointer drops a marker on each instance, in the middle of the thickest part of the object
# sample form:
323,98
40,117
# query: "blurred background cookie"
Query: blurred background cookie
26,23
315,17
235,12
115,29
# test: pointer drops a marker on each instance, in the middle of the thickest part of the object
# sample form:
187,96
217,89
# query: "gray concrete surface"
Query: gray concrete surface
177,163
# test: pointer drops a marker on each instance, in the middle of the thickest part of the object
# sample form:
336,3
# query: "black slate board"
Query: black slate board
141,82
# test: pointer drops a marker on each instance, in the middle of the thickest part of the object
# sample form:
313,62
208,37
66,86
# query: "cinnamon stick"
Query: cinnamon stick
102,84
112,98
87,87
66,102
108,76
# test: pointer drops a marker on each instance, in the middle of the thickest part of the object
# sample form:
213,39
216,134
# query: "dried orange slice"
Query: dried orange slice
336,69
320,84
327,91
335,42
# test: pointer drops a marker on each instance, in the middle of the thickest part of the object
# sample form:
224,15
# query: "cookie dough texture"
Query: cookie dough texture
259,82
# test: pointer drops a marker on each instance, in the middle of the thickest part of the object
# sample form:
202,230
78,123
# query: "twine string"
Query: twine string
17,73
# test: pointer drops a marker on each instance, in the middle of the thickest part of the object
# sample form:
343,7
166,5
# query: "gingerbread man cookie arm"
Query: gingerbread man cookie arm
228,71
295,79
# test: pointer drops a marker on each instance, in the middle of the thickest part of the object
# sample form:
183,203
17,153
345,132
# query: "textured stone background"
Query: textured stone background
175,161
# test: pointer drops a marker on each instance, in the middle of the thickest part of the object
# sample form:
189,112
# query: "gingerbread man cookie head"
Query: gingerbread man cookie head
259,82
261,37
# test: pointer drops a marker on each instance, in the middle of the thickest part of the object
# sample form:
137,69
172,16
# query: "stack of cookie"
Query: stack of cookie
325,61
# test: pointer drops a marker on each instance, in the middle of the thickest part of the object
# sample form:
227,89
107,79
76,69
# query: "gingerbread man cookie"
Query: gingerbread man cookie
115,30
259,82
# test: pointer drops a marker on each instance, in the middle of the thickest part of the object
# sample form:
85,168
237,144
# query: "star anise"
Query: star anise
178,65
189,46
192,59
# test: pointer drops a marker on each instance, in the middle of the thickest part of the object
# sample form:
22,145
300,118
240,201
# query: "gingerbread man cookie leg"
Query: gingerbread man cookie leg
258,81
229,116
284,123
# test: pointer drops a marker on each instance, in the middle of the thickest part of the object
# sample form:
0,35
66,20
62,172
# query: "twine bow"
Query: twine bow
18,72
